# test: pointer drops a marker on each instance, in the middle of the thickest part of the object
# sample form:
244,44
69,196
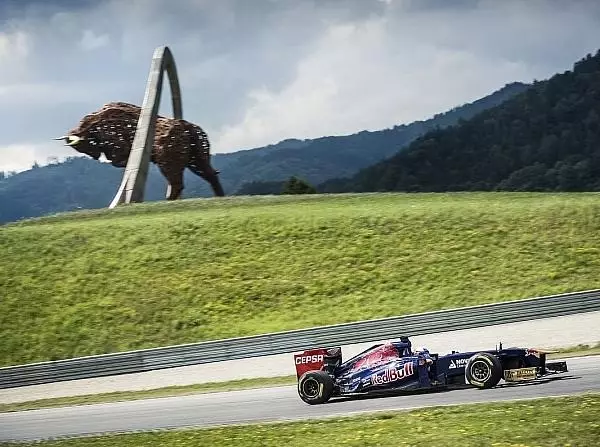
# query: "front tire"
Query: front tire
315,387
483,370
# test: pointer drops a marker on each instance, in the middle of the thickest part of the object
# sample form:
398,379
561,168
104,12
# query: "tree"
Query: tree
294,185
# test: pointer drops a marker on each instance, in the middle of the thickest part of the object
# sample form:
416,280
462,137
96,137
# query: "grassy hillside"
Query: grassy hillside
164,273
85,183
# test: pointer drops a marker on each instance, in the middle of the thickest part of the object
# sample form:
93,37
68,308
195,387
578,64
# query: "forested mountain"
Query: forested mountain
339,156
86,183
545,139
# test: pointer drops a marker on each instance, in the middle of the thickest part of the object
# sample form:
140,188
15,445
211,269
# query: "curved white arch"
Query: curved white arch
136,172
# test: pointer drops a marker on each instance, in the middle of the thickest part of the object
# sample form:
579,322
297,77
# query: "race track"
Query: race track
269,404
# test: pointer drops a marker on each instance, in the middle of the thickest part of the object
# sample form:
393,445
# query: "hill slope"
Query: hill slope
545,139
76,183
85,183
329,157
164,273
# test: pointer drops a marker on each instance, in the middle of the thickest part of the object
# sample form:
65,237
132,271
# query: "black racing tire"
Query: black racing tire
483,370
315,387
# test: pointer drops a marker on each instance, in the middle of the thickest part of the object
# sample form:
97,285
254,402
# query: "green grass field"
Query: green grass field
566,421
164,273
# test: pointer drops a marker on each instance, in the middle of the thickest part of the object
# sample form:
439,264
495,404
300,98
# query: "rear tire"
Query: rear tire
315,387
483,370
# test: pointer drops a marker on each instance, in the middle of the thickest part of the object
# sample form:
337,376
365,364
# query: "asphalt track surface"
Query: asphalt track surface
267,404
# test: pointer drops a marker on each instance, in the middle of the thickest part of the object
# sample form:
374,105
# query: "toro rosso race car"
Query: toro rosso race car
394,366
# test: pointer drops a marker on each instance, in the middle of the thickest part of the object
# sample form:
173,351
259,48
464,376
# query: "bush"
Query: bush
294,185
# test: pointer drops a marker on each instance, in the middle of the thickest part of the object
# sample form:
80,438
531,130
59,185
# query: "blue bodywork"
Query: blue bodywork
395,366
405,371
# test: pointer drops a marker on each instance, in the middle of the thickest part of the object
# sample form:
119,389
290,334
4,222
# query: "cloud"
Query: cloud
408,63
18,157
90,41
13,46
253,73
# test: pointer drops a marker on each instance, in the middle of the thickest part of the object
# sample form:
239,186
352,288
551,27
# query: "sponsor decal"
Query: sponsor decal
514,375
458,363
376,356
309,359
393,374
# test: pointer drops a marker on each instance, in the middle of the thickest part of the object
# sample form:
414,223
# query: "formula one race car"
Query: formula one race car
394,366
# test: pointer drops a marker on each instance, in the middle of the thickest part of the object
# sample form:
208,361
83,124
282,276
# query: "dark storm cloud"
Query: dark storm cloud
256,71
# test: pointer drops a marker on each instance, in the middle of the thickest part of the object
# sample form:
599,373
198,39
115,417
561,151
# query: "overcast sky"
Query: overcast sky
254,72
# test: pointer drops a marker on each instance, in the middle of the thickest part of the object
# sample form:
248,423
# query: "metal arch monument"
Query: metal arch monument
136,172
131,137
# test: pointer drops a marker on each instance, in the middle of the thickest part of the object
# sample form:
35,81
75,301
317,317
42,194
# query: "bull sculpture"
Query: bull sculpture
178,144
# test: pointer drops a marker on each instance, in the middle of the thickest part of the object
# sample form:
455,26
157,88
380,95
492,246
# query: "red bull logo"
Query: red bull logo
393,374
380,354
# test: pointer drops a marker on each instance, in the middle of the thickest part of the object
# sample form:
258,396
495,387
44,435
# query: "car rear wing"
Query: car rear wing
317,359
